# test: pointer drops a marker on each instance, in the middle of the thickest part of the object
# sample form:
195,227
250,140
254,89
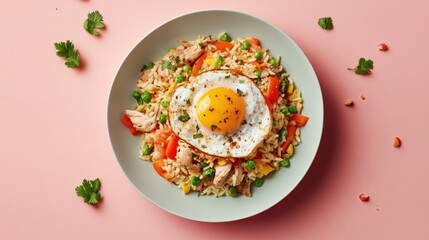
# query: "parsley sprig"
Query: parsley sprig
94,21
364,66
90,191
66,50
326,23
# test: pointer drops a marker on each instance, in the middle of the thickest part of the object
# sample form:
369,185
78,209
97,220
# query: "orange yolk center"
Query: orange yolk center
220,110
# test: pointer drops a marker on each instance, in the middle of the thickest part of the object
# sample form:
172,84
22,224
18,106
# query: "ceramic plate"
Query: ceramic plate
168,196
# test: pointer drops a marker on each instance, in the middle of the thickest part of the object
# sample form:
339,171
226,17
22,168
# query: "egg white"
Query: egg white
242,141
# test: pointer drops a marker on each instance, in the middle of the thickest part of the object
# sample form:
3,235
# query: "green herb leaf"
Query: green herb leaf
184,117
89,190
147,66
198,135
213,127
167,65
94,21
66,50
364,66
240,93
326,23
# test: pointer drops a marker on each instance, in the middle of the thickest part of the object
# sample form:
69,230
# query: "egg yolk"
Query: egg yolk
220,110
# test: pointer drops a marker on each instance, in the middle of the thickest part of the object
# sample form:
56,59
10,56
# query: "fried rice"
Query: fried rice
189,170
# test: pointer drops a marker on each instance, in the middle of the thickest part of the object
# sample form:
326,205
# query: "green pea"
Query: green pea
292,109
257,73
195,181
225,37
285,162
259,55
258,182
273,62
250,164
146,150
282,134
275,123
233,192
209,173
136,95
164,104
203,164
186,68
179,78
245,45
284,111
146,96
162,118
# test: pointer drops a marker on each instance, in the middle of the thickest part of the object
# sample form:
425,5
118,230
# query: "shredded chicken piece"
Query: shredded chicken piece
189,51
143,122
237,176
221,174
245,187
184,155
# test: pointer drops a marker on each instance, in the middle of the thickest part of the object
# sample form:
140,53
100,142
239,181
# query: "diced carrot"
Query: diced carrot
171,150
198,63
127,122
289,137
161,136
157,165
223,46
300,120
273,88
254,42
256,64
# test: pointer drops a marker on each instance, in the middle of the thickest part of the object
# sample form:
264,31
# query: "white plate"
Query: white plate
209,208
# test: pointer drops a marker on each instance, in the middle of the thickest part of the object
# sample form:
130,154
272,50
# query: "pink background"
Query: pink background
54,133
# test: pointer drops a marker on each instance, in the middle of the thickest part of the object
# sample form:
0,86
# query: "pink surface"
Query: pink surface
54,130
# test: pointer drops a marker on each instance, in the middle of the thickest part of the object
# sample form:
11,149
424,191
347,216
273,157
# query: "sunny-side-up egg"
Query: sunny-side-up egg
221,113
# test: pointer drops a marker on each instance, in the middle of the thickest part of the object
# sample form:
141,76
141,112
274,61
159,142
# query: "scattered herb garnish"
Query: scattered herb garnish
227,76
198,135
364,66
326,23
94,20
230,139
147,66
213,127
166,64
219,61
184,117
198,128
240,92
89,190
188,101
66,50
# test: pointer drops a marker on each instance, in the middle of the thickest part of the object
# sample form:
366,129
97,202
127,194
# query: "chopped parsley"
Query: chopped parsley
147,66
326,23
198,135
167,65
213,127
184,117
240,92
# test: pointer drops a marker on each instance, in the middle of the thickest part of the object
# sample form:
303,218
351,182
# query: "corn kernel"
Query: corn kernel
221,162
290,150
290,88
186,187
